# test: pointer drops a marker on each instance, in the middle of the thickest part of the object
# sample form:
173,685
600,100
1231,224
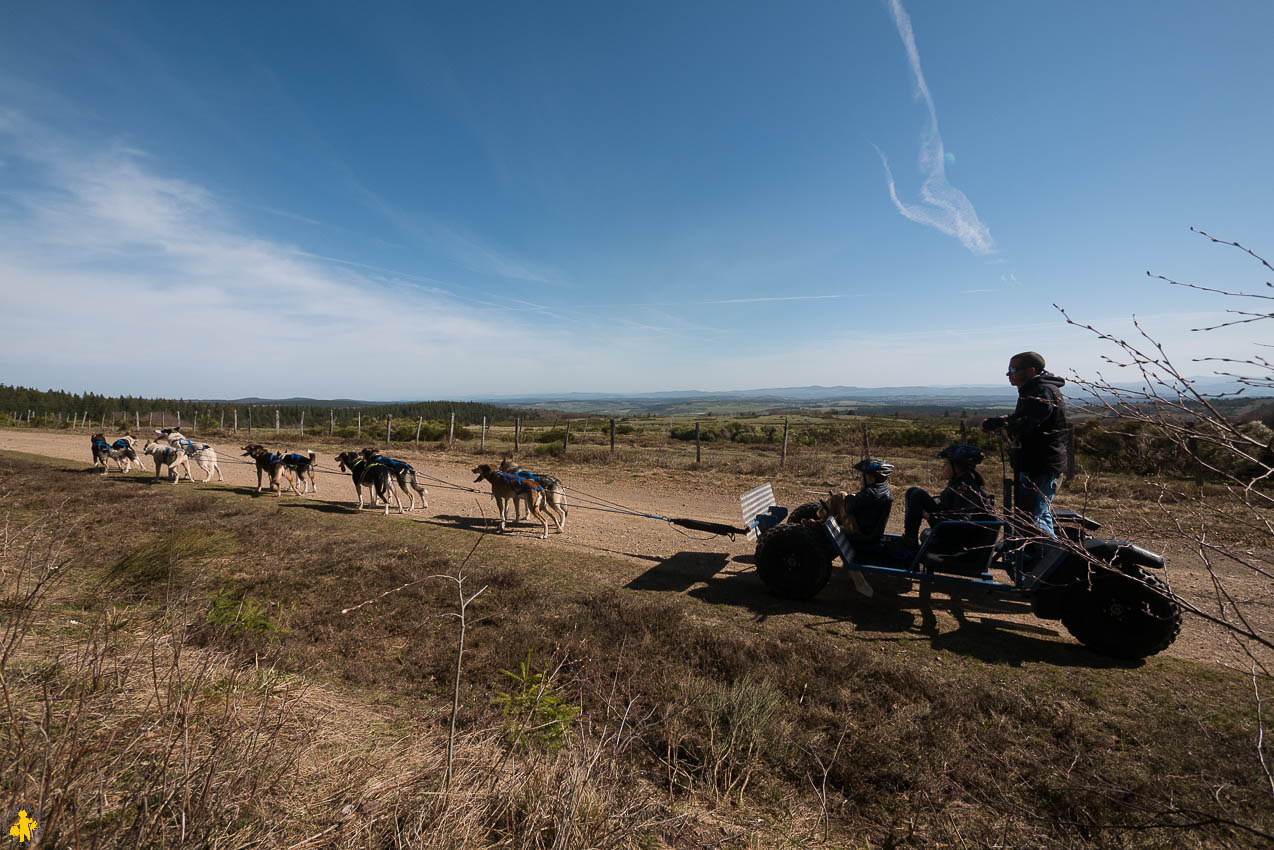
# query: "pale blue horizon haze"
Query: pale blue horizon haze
399,201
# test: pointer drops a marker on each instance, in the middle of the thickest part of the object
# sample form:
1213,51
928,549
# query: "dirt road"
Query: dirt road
703,558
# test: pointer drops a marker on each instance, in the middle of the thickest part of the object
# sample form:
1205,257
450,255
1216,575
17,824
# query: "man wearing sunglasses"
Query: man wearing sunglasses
1039,429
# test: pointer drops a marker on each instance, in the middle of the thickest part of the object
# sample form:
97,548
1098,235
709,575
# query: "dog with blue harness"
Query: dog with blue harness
165,455
301,466
371,474
123,451
271,464
520,486
201,453
553,490
403,473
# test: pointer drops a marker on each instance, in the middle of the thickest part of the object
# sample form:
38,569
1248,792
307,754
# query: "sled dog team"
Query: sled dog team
510,485
173,451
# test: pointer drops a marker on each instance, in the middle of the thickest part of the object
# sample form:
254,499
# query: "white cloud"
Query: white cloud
943,206
120,279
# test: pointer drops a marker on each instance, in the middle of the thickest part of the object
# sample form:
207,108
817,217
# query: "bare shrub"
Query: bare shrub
1227,524
117,738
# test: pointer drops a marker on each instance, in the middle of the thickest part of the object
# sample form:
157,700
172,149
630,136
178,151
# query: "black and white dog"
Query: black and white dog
123,451
402,472
373,475
201,453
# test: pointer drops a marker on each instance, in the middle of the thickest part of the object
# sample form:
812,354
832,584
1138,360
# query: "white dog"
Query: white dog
174,459
201,453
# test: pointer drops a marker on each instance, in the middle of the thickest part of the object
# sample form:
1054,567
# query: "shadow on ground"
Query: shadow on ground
893,613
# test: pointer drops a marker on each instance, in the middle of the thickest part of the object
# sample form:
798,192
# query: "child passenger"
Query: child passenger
864,514
963,496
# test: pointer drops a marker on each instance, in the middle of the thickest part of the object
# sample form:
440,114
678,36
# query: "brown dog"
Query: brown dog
509,487
551,490
271,464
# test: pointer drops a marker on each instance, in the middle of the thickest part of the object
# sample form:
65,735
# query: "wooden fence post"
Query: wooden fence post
276,420
236,421
249,420
331,421
222,427
612,436
698,454
360,424
866,442
484,433
566,436
388,422
302,422
783,456
419,423
179,419
517,433
1192,446
451,430
152,419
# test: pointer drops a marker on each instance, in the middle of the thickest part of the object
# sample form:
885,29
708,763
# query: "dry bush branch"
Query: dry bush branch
1171,406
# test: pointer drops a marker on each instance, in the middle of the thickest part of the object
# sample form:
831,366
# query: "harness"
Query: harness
121,443
101,446
294,461
397,467
521,480
191,446
273,459
362,469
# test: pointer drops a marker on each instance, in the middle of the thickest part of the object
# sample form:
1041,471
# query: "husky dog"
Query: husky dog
514,487
123,451
373,475
271,464
201,453
402,472
166,455
302,468
554,491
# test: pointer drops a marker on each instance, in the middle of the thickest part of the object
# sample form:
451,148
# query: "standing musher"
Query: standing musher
1039,430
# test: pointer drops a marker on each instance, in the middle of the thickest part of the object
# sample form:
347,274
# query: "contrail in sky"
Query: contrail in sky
944,206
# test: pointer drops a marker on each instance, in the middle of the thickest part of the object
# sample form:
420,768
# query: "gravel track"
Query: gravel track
645,542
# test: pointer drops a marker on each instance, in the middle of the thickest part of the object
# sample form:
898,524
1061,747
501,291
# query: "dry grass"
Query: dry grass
133,721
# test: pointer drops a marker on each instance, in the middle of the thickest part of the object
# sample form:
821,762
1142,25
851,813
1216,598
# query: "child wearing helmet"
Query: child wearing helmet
963,495
863,515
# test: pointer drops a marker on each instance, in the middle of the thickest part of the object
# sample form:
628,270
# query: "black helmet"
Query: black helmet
963,452
878,467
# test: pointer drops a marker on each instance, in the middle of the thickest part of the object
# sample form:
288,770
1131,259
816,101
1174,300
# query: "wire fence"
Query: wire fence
767,440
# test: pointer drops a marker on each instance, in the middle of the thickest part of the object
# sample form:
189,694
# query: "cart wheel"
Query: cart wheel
799,514
792,561
1126,616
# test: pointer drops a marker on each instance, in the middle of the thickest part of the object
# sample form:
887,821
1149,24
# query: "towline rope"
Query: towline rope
599,503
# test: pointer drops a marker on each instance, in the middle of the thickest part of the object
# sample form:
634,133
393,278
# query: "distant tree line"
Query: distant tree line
14,399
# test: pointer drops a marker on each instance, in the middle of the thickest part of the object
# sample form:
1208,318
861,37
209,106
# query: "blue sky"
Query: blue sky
452,200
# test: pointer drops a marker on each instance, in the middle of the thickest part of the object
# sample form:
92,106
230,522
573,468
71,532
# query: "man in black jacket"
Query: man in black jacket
1039,429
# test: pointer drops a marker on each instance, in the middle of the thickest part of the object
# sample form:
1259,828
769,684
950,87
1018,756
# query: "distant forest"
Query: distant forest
16,401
